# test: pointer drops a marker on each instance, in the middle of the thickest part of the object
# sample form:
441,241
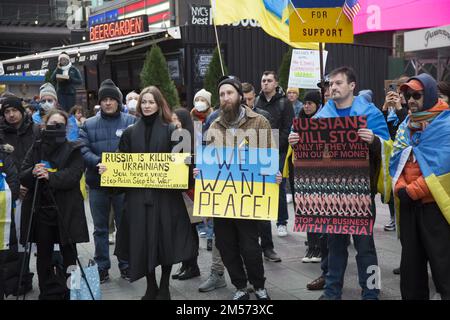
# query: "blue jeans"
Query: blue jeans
100,201
337,262
209,228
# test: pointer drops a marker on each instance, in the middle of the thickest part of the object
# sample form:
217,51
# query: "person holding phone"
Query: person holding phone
395,110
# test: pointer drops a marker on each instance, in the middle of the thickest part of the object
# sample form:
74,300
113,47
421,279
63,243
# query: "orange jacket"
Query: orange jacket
411,177
414,182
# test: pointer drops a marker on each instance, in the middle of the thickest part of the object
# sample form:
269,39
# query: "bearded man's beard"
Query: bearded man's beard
230,112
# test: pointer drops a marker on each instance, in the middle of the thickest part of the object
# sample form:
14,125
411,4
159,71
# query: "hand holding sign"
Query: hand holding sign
293,138
196,172
101,168
366,135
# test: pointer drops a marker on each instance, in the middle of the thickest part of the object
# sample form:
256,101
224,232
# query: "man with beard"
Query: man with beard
420,170
237,239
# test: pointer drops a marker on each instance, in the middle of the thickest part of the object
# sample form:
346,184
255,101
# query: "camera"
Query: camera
392,87
55,127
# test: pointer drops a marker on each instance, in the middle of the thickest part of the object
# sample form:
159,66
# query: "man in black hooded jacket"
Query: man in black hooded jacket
273,100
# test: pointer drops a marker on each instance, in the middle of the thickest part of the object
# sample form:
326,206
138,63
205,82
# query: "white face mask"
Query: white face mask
132,105
200,106
47,106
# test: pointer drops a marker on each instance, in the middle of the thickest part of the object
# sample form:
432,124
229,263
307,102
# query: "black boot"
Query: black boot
164,292
152,287
180,270
189,273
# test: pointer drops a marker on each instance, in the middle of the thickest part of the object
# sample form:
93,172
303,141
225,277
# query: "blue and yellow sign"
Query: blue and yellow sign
236,187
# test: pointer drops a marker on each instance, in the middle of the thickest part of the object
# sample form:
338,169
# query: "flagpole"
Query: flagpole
339,18
217,36
296,11
322,91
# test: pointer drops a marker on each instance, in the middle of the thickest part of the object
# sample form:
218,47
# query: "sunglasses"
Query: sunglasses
414,95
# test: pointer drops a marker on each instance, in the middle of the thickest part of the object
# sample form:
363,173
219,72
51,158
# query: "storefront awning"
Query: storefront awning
84,53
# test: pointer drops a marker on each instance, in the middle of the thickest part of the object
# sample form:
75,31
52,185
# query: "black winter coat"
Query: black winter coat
21,139
65,186
282,114
155,228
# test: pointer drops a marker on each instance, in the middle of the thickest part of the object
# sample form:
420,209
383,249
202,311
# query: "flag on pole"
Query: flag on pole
351,9
272,15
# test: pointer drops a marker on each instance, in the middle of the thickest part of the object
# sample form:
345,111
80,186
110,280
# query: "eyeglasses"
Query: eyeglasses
415,95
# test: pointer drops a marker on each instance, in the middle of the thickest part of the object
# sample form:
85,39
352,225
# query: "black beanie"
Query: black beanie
12,102
232,80
313,96
108,89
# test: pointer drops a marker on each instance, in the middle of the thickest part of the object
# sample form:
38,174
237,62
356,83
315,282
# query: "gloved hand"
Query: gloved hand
404,196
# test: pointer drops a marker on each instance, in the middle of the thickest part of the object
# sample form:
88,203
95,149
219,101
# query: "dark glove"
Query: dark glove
404,196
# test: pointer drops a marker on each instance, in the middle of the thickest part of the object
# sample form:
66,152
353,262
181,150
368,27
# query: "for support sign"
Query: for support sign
320,21
320,25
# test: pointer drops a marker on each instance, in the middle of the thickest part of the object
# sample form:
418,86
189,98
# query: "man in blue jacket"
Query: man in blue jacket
102,134
343,103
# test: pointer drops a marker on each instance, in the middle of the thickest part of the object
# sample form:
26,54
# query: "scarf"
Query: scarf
418,121
200,115
65,69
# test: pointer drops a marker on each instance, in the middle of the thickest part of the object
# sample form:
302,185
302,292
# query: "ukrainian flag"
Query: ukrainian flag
432,155
272,15
5,212
375,122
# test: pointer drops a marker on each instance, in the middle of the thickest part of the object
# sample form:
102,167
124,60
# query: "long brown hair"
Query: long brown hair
52,112
163,107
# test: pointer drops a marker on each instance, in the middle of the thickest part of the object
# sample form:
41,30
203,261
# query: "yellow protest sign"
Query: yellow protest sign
145,170
319,25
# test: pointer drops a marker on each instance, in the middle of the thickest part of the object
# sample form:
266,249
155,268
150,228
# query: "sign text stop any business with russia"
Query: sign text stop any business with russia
320,26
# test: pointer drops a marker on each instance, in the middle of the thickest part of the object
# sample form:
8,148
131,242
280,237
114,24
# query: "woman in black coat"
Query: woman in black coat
59,216
155,228
189,269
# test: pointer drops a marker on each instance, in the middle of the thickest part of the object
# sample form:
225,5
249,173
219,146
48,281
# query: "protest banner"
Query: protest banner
233,183
332,177
145,170
304,71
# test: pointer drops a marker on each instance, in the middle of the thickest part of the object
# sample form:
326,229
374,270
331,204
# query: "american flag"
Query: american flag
351,9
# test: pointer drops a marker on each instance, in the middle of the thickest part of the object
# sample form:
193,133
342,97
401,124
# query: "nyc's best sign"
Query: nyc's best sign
323,22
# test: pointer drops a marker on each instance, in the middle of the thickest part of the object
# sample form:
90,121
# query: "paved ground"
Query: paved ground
285,281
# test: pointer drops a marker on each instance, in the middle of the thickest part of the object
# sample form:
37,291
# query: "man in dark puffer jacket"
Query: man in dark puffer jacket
102,134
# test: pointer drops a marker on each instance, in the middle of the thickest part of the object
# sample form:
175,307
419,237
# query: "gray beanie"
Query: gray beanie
47,89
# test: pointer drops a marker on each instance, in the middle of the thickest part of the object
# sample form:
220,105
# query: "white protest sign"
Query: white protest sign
304,72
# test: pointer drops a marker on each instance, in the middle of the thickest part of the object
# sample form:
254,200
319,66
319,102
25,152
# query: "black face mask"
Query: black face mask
54,133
